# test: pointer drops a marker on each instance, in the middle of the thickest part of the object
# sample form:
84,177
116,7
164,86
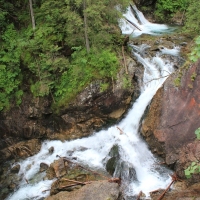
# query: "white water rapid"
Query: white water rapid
133,149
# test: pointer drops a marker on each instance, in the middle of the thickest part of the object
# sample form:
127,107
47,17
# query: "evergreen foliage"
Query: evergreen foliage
192,23
83,69
10,71
195,54
54,56
54,53
166,8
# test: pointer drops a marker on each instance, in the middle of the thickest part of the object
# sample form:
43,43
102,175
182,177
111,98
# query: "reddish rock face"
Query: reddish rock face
172,119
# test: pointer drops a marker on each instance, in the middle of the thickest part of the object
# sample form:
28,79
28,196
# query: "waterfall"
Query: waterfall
142,23
132,148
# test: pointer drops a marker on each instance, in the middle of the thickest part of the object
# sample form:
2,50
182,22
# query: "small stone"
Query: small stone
43,167
51,150
15,169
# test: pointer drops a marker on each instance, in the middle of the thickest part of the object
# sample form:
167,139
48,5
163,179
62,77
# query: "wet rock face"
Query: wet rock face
172,119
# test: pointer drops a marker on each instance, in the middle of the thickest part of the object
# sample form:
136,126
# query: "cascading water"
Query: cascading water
141,23
132,149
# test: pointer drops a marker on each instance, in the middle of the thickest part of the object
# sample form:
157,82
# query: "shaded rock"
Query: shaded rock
43,167
21,150
15,169
12,186
101,103
101,190
51,150
119,168
172,119
113,160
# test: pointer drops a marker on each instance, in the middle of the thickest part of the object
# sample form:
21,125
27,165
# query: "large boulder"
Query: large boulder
173,116
70,175
101,190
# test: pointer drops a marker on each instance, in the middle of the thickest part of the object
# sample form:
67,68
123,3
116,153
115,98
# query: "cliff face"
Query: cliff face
173,116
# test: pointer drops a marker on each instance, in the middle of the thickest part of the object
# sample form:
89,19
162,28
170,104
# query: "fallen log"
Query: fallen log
133,24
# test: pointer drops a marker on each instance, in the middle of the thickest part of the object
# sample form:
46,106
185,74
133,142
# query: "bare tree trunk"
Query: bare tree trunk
32,14
86,27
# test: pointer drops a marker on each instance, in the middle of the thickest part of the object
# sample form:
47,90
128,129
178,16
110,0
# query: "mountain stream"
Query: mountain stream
132,149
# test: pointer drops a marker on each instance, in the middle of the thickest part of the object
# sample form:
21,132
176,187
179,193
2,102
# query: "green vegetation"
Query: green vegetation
64,45
194,168
165,9
60,49
84,68
192,23
126,82
195,54
197,133
10,72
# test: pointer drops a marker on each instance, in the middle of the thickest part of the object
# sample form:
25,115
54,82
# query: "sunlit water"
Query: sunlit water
133,149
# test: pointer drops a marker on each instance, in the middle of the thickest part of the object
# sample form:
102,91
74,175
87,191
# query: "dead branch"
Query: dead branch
156,79
174,178
121,132
26,181
115,180
160,163
163,194
70,185
45,190
124,60
113,85
78,182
